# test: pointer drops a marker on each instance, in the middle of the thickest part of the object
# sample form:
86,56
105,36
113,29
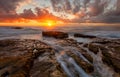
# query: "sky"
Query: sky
59,11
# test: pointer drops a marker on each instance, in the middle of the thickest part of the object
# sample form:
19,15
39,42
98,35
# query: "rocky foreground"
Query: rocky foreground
33,58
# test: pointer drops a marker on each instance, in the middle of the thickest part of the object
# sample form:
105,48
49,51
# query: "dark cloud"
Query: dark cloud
81,10
76,8
9,6
8,12
41,12
8,17
97,8
28,14
85,2
94,10
106,19
44,14
118,7
111,16
56,6
66,6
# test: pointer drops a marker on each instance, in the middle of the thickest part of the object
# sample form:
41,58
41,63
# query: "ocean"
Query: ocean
112,32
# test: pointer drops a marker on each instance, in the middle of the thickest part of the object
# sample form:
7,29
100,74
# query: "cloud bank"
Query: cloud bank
107,11
90,10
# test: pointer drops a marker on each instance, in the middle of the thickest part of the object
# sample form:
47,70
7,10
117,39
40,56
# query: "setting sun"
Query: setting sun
49,23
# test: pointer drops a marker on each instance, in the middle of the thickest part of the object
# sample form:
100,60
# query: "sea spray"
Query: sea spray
101,69
77,53
80,71
64,66
64,60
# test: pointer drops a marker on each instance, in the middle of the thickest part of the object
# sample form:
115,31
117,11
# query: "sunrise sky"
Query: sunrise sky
58,11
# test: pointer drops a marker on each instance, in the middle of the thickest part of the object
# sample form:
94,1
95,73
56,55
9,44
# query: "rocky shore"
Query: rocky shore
34,58
25,58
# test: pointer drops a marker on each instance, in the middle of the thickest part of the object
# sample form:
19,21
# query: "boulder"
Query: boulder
17,27
55,34
84,36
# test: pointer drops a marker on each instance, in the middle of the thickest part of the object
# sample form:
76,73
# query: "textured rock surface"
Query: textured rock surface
73,43
110,52
33,58
20,58
85,65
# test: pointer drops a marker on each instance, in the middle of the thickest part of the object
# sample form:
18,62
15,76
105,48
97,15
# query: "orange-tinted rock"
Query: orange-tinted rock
17,58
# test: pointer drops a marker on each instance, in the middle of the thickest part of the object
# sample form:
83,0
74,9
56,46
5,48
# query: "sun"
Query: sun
50,23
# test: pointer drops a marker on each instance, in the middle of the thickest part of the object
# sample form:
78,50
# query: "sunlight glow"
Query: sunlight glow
49,23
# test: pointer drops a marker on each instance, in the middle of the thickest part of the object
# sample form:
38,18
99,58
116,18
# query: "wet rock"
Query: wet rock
16,66
19,59
85,54
88,57
17,27
83,36
74,44
6,43
110,52
46,67
112,62
55,34
85,65
111,55
106,41
112,59
94,48
68,42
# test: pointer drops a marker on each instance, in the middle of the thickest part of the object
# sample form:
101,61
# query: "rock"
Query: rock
88,57
106,41
46,67
68,42
111,61
85,65
74,43
112,58
6,43
85,54
94,48
17,27
20,58
55,34
110,52
83,36
33,58
16,66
